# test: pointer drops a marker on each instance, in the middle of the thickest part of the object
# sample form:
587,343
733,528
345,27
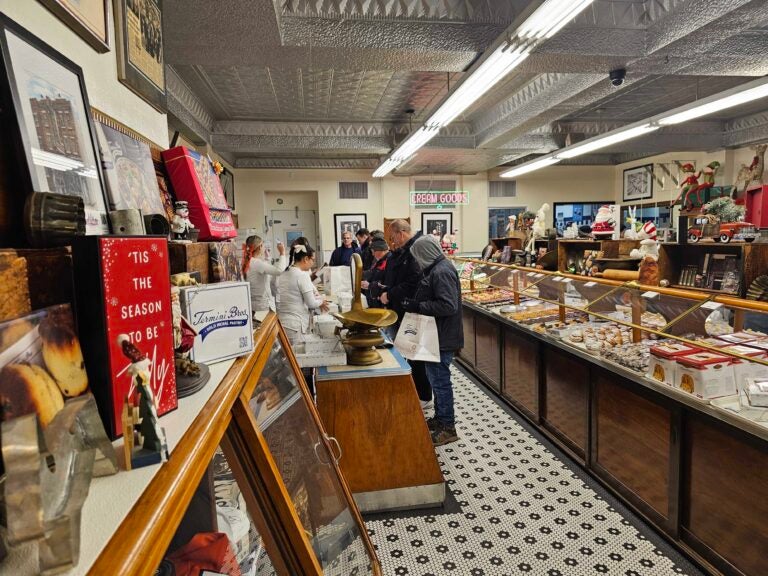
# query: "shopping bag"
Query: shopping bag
337,279
417,338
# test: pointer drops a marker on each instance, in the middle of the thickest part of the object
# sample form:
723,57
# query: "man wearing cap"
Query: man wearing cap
373,278
439,295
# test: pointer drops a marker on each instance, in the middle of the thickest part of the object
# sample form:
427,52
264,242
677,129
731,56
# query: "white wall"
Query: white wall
105,91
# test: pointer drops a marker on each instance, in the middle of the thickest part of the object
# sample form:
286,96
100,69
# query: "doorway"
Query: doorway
287,225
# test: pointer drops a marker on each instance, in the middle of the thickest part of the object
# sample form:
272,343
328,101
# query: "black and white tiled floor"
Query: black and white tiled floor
519,507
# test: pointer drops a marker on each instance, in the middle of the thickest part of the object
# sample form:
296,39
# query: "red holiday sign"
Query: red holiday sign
137,301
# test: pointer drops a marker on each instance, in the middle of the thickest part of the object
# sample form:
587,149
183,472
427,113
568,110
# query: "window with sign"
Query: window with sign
498,218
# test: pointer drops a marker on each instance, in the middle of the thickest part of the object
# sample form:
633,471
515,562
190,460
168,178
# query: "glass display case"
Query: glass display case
626,323
252,487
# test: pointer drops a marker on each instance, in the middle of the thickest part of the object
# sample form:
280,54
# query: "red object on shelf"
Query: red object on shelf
195,182
123,287
756,199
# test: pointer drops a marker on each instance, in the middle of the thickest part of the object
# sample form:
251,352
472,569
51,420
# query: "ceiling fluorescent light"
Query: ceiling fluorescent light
550,17
741,95
530,167
604,141
386,168
544,23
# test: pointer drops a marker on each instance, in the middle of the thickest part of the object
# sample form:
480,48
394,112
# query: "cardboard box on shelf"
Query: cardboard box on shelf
706,375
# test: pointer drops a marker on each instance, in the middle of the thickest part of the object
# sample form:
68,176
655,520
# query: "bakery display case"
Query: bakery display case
648,388
252,486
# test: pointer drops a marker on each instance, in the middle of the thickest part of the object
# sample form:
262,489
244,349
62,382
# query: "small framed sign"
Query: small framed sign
638,183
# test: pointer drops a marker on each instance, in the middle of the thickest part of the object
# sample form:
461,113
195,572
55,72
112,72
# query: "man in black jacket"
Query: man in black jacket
364,241
439,295
400,282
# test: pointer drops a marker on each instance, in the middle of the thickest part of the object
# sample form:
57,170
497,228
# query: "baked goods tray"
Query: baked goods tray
732,405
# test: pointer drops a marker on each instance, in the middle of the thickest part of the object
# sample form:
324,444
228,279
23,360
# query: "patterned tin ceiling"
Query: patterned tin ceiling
341,82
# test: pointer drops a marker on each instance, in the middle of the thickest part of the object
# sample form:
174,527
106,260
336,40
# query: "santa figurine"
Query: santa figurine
511,221
604,222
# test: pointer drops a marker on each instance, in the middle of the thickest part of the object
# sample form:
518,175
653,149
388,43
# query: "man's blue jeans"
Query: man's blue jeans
439,375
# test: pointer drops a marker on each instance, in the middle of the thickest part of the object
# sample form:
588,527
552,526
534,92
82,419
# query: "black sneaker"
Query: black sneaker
433,424
444,435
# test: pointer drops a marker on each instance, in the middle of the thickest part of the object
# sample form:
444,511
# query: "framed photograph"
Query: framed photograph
49,124
348,223
139,39
436,223
129,172
638,183
227,179
87,18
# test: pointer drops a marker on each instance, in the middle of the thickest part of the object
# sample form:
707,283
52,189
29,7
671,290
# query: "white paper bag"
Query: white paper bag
417,338
337,279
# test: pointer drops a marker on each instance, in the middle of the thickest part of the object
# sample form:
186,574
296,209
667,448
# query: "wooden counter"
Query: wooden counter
374,413
695,472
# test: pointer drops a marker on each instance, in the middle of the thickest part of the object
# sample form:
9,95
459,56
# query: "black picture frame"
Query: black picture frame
42,163
629,192
79,25
348,222
227,179
445,218
151,86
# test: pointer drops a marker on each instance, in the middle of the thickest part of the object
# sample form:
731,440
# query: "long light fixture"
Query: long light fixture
734,97
542,24
531,166
748,92
609,139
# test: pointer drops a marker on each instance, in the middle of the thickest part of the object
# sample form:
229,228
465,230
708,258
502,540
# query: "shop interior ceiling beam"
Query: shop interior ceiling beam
187,109
277,163
746,130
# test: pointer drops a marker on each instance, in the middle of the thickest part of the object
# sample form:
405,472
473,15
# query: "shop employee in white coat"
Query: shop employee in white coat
258,271
297,296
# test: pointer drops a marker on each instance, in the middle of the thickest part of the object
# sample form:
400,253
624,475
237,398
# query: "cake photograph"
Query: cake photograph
41,364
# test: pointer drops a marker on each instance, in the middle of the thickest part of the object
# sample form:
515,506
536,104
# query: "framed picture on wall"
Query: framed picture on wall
139,39
227,179
638,183
348,223
48,124
436,223
87,18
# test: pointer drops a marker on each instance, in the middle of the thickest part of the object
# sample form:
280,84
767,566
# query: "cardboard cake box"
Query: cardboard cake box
706,375
195,182
122,286
743,369
663,365
221,316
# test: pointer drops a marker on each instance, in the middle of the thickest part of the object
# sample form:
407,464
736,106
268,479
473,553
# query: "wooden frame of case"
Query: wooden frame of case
141,540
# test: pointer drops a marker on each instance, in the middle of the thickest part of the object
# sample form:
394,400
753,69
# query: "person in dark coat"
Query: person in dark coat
342,256
439,295
374,277
364,241
400,282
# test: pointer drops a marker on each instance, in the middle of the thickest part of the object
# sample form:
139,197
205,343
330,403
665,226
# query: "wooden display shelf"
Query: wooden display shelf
752,261
575,248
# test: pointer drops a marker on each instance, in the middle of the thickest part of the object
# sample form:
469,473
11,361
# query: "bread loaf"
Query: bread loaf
14,287
62,354
27,389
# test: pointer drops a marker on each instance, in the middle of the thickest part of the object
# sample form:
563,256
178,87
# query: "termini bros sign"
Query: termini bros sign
436,198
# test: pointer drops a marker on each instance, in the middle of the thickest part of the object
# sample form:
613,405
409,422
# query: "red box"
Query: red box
122,286
195,182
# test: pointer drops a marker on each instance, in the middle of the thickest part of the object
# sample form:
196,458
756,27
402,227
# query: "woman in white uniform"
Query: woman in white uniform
297,294
258,271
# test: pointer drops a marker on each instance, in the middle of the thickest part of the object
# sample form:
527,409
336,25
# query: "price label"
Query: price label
650,294
567,280
590,284
531,274
711,305
538,275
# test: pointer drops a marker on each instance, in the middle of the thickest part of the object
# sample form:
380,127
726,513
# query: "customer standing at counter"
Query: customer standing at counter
439,295
374,277
400,282
342,255
297,295
364,241
258,271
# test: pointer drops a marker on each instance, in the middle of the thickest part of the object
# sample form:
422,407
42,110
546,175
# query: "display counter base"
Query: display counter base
411,497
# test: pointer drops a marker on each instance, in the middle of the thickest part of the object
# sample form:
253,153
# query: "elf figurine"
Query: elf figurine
690,182
708,181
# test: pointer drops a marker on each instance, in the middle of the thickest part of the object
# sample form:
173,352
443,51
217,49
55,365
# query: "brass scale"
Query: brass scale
363,325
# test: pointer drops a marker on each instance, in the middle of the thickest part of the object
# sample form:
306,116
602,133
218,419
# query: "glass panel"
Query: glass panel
498,220
305,466
657,310
217,533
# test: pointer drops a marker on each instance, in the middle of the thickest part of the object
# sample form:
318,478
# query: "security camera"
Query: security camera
617,76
